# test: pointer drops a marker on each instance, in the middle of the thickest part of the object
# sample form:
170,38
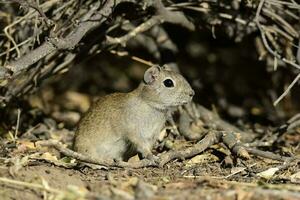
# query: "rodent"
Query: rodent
120,125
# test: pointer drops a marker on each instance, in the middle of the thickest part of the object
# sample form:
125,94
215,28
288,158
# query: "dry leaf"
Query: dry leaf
49,156
24,146
295,178
203,158
268,174
134,159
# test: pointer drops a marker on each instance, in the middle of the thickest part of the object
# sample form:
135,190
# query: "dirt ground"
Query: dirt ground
202,177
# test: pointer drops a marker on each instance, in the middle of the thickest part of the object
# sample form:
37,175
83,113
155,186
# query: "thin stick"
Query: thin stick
28,185
285,24
259,9
141,60
266,154
37,8
30,14
18,123
157,19
287,90
298,53
46,188
239,171
135,58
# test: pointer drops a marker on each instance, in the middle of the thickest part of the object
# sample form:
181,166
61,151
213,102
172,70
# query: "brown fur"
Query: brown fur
120,125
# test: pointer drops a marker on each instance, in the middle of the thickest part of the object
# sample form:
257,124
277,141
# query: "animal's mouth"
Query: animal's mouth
185,102
188,100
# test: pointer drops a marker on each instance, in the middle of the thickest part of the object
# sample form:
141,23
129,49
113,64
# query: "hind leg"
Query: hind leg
112,150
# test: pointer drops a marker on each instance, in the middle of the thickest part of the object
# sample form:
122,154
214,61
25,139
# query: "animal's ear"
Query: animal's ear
151,74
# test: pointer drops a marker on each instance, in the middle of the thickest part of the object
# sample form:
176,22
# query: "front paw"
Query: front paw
153,158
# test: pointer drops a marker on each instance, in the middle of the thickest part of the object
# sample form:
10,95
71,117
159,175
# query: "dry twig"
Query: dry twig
108,163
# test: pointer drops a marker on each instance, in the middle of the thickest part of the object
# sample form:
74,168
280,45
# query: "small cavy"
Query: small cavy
120,125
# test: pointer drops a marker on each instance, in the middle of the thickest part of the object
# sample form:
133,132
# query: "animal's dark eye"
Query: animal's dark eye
168,83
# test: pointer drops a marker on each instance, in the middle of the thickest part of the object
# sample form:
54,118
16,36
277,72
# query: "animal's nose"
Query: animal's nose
192,93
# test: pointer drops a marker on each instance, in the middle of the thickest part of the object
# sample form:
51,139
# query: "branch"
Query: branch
36,7
210,139
213,137
266,154
174,17
107,163
214,120
139,29
275,54
91,20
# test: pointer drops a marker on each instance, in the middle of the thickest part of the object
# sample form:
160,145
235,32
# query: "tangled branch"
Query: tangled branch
44,34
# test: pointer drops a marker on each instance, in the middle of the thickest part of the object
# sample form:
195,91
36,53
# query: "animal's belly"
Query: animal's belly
151,133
